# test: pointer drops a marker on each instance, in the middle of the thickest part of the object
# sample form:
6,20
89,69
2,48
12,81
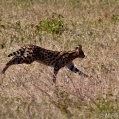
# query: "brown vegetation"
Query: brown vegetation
27,91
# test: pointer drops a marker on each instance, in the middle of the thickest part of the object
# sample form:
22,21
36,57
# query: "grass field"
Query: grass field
27,91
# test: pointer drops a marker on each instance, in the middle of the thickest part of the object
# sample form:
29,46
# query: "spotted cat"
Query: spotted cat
57,59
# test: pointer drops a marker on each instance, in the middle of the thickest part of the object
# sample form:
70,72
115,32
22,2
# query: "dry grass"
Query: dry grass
27,91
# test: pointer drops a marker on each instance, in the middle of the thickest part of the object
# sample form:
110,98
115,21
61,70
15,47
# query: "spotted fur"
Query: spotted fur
57,59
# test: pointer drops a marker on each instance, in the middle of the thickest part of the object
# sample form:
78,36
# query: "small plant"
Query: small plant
63,101
108,105
53,24
115,18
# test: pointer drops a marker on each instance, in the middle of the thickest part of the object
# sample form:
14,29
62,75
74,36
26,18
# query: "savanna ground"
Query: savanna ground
27,91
